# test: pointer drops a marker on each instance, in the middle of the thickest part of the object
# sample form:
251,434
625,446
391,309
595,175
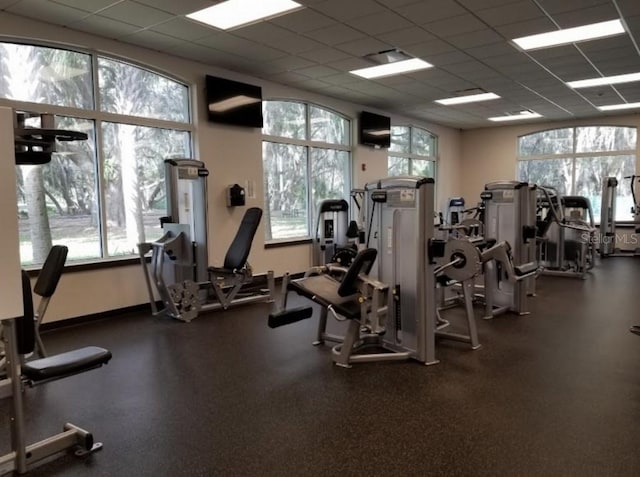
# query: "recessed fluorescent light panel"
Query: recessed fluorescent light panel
570,35
471,98
517,117
390,69
607,80
614,107
235,13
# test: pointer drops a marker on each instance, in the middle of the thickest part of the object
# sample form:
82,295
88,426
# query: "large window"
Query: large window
576,161
103,196
413,152
306,158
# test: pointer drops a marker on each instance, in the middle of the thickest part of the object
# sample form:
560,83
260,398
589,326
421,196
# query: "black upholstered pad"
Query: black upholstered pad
62,364
51,271
238,252
323,290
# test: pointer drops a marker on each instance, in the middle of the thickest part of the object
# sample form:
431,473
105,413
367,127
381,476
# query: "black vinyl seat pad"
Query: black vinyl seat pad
63,364
323,289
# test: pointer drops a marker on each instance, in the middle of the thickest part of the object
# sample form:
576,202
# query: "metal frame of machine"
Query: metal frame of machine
179,269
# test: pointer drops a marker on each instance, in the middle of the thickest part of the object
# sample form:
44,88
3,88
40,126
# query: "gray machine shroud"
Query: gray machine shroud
401,226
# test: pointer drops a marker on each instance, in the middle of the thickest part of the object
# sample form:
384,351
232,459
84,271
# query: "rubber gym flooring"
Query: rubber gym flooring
556,393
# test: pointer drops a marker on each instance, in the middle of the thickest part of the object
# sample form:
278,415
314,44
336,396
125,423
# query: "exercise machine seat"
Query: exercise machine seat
340,295
65,364
51,271
56,366
236,257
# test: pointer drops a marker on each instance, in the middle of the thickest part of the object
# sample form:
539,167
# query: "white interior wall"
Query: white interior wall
232,155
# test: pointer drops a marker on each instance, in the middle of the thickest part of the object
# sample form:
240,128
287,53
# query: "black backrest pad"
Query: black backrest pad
361,264
25,326
51,271
239,250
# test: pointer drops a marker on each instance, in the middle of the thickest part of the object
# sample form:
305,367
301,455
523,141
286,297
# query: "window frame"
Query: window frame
412,156
98,117
309,144
573,155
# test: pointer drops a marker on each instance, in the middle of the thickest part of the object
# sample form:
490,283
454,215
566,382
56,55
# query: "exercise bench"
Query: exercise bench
20,339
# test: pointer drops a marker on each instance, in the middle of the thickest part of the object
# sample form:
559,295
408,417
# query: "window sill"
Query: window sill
71,267
286,243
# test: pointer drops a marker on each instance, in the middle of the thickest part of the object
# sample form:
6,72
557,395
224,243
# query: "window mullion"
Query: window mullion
310,206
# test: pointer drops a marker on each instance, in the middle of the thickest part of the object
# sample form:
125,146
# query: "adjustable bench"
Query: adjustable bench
20,338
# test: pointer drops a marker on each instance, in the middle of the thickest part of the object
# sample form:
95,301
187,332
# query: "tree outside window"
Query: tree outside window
102,196
306,158
577,161
412,152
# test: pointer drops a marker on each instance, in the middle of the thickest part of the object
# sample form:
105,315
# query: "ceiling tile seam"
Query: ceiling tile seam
548,15
508,40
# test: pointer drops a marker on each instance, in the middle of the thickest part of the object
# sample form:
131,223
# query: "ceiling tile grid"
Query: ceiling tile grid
314,48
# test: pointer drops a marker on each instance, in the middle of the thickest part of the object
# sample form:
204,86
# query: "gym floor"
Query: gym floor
556,393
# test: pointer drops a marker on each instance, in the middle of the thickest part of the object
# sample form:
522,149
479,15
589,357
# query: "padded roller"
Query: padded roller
286,317
525,269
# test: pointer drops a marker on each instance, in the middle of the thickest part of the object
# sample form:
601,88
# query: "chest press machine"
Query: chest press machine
31,146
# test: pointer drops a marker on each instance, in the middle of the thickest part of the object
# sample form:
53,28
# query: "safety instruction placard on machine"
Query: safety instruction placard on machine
401,198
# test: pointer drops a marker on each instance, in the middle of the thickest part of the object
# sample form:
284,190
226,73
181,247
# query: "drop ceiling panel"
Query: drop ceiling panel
488,51
241,47
103,26
630,92
181,7
381,22
304,20
475,38
316,72
449,58
454,26
347,10
315,47
600,13
510,13
334,34
86,5
429,11
557,6
324,55
428,49
529,27
405,36
364,46
349,64
183,29
135,14
152,40
629,7
618,66
289,63
60,14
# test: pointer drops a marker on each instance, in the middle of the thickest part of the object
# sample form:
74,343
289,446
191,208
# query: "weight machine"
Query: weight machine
179,270
566,234
388,294
609,236
509,216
